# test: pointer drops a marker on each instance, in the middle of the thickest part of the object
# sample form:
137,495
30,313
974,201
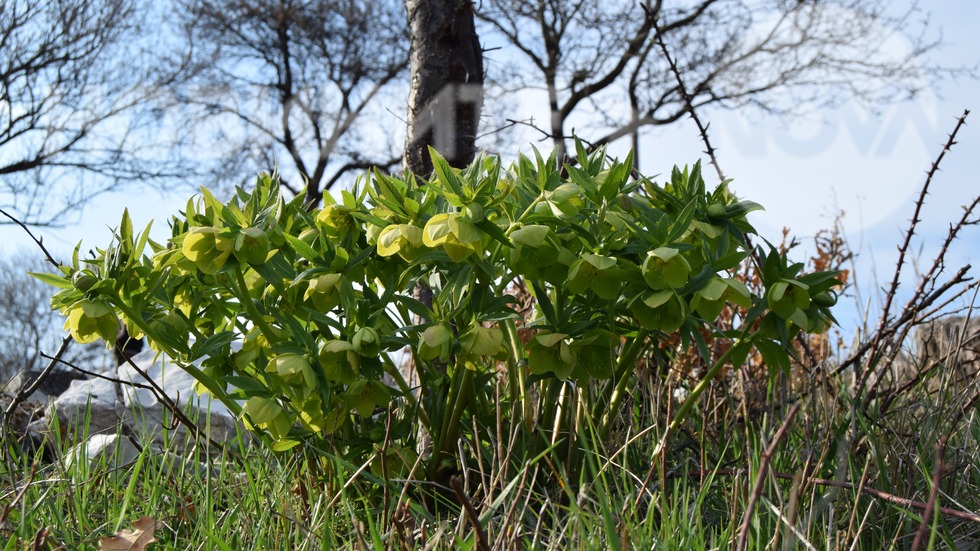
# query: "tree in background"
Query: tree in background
446,83
76,93
260,84
288,84
603,58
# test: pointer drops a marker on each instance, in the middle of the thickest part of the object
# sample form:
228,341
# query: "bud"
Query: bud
252,246
83,280
473,211
716,210
366,342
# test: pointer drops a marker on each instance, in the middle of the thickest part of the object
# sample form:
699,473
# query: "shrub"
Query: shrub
617,264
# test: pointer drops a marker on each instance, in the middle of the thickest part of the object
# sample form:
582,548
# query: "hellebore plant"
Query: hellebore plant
618,266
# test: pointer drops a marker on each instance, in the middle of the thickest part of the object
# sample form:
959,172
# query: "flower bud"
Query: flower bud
366,342
252,246
83,280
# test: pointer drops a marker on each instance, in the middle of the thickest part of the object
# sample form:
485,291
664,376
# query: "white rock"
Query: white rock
145,413
98,397
108,451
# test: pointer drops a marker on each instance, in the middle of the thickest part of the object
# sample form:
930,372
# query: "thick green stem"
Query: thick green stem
245,299
621,377
456,402
738,346
515,372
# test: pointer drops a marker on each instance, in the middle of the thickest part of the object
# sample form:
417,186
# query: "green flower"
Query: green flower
366,342
481,341
267,413
455,233
336,221
339,361
790,299
595,355
436,342
366,394
662,310
564,201
207,248
88,321
405,240
711,299
551,353
295,369
324,292
595,272
535,255
665,268
252,246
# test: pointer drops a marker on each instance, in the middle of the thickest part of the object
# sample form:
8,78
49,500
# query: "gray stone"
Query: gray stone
146,414
100,452
96,398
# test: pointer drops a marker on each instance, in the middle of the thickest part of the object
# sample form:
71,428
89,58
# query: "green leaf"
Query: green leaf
445,173
52,279
284,444
301,247
211,346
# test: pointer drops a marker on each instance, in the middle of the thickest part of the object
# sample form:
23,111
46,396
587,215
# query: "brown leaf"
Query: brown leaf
132,540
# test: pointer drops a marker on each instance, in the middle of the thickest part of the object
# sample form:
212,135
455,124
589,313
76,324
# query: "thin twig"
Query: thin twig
38,241
25,393
876,343
102,376
174,407
891,498
481,536
743,536
937,475
689,103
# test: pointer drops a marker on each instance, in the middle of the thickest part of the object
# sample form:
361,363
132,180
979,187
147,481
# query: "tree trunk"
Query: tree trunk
446,83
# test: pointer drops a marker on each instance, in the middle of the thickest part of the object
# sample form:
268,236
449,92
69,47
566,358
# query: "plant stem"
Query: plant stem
462,377
515,372
621,377
696,392
246,301
391,369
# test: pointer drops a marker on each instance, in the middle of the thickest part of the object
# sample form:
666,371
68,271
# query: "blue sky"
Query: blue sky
870,165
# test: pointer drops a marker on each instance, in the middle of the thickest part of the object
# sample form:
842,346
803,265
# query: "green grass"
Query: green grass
695,497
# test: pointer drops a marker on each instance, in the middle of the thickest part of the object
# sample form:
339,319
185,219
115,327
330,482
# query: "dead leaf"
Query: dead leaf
132,540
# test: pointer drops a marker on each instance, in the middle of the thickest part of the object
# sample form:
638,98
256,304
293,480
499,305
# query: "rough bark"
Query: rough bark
446,83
